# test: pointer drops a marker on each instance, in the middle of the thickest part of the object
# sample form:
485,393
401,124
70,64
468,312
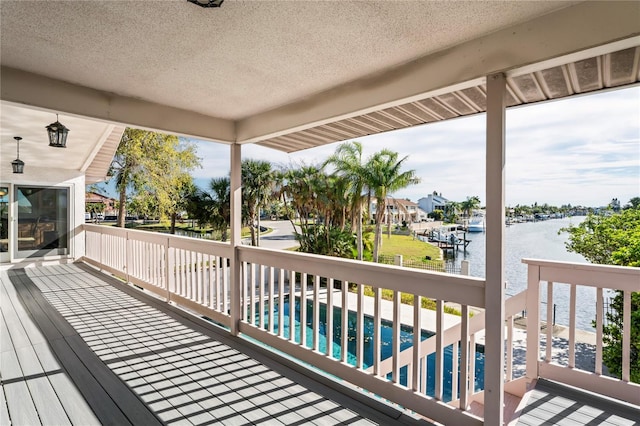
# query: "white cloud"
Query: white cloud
584,150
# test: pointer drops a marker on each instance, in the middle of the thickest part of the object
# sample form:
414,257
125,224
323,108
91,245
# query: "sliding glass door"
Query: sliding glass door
43,221
4,223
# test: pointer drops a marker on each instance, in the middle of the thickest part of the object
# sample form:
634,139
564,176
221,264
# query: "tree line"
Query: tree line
326,203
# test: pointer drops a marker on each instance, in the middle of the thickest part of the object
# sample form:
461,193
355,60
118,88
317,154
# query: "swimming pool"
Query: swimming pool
386,339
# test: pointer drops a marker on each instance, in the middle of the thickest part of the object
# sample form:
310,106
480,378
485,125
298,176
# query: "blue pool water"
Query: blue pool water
386,339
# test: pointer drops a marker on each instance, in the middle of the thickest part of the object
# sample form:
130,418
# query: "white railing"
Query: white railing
313,307
191,273
475,329
194,274
600,277
296,302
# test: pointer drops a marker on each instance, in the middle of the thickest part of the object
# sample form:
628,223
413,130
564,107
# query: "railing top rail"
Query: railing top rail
179,241
586,274
583,266
437,285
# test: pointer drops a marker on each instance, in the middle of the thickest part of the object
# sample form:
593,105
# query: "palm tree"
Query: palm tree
383,175
470,204
213,207
451,211
347,161
257,182
220,197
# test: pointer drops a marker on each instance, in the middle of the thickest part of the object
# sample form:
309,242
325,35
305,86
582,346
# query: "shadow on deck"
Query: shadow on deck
79,347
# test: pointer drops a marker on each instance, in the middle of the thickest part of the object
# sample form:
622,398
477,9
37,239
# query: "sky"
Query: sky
580,151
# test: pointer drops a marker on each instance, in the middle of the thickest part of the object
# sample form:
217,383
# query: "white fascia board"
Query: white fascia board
568,31
34,90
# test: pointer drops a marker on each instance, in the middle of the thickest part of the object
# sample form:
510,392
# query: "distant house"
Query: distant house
400,210
432,202
109,203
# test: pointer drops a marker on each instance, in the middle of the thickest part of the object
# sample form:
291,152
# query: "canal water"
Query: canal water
537,240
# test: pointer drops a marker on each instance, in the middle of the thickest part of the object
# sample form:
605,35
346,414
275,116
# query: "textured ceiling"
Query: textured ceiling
611,70
243,58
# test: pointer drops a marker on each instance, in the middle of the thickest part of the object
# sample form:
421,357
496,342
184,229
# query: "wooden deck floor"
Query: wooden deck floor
80,348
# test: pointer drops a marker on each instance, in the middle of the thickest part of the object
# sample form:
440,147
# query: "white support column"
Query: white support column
495,277
236,236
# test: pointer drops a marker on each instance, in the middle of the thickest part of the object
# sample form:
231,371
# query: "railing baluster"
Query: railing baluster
464,357
252,293
360,327
549,330
509,366
189,274
454,371
626,336
599,323
199,277
345,322
572,326
316,313
183,273
218,303
171,277
224,282
261,296
533,321
303,309
281,303
377,306
417,334
329,327
271,307
292,306
472,364
211,283
395,374
439,348
244,297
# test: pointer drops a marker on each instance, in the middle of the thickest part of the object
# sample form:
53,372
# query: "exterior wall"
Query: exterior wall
60,178
432,202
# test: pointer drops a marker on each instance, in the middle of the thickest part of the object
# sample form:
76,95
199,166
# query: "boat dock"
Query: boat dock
447,238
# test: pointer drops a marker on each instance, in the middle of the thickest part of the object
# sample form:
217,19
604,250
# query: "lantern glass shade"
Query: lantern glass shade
17,165
57,135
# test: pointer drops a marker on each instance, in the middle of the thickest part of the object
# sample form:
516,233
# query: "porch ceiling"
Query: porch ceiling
90,147
292,75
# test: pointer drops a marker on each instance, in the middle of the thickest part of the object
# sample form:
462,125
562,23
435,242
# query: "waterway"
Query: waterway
537,240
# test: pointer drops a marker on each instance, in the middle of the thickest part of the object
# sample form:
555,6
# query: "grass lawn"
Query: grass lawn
408,247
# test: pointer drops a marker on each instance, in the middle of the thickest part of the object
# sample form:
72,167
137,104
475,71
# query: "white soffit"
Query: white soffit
612,70
83,138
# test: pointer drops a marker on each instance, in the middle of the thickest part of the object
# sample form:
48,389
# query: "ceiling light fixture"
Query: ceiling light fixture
57,133
18,164
207,3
